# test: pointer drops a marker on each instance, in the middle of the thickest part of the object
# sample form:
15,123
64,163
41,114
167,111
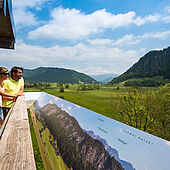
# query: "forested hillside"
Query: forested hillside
153,64
60,75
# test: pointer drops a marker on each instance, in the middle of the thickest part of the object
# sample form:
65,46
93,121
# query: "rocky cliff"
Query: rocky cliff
78,149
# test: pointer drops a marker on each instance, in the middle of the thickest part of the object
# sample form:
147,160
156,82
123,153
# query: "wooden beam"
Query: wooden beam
16,151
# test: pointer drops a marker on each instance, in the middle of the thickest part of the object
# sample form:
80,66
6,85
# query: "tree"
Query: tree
161,127
82,87
61,88
148,111
117,88
67,86
135,109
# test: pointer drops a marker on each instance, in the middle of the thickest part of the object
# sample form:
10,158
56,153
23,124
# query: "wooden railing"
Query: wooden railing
16,151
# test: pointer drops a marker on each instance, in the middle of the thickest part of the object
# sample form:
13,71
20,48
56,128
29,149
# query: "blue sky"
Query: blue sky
92,36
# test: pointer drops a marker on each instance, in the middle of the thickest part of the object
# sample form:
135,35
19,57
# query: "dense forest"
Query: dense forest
59,75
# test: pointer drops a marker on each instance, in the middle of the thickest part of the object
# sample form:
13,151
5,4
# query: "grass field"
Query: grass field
97,100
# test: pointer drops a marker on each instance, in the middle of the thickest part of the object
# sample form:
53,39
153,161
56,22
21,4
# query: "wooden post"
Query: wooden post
16,151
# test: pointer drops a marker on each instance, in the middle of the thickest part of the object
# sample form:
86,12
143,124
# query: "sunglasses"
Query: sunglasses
5,74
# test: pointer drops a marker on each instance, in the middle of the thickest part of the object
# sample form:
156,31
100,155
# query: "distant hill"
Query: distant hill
60,75
153,64
105,78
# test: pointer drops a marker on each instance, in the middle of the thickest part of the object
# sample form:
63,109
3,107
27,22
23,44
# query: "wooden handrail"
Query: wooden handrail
6,120
16,151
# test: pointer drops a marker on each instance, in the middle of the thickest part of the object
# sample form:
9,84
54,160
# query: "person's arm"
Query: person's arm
4,93
20,93
7,96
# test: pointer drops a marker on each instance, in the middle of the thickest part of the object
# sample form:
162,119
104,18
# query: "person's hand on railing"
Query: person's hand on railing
16,96
20,94
14,99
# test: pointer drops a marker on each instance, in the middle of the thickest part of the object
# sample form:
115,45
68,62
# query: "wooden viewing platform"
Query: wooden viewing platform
16,151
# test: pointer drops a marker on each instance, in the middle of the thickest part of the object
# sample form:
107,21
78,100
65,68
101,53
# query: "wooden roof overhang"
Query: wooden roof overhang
7,30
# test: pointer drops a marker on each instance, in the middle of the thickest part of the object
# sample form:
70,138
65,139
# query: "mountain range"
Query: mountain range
105,78
112,152
59,75
151,69
153,64
78,149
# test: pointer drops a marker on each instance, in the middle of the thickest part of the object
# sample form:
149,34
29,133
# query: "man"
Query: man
15,85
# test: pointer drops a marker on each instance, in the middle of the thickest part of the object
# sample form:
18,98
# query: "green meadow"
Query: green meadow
145,108
98,100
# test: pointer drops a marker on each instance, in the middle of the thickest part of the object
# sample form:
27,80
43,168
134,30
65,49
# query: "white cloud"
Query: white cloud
162,35
129,39
166,19
22,16
30,3
72,24
81,57
100,41
150,18
97,56
159,35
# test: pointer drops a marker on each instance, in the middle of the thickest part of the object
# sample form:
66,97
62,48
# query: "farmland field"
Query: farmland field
97,100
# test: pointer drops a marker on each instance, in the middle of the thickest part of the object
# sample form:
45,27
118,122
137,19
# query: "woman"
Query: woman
4,75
